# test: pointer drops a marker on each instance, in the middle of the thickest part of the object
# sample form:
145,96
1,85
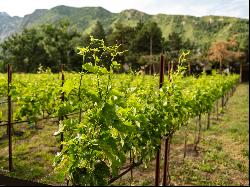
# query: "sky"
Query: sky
232,8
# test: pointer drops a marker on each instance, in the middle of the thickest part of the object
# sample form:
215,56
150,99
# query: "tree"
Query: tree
148,39
59,43
224,52
122,35
98,32
47,45
245,48
173,45
23,50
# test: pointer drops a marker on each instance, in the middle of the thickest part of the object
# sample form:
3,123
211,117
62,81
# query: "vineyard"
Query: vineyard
107,121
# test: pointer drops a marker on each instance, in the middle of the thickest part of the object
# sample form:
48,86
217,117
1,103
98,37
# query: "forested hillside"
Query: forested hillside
202,29
50,37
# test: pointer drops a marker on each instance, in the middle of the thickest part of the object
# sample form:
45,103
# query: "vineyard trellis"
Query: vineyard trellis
190,101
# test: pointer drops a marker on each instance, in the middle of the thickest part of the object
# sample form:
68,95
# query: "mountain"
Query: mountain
8,24
201,29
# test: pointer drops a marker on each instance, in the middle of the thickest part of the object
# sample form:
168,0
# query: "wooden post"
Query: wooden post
9,117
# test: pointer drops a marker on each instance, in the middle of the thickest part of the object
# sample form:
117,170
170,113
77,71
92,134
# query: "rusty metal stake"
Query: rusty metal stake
169,67
227,96
217,109
157,170
157,167
222,101
185,142
168,157
9,117
131,171
166,163
197,141
124,172
189,69
167,140
62,99
208,119
161,72
166,177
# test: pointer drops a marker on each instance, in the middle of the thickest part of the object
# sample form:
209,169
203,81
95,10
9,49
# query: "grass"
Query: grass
33,154
221,158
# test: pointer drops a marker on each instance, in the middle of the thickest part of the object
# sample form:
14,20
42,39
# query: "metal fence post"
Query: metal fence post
166,156
157,169
62,99
167,140
9,116
208,119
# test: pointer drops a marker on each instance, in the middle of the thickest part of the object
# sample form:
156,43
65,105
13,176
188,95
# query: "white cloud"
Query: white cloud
234,8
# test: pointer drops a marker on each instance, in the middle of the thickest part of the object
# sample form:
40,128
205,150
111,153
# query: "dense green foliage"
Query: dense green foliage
50,46
47,45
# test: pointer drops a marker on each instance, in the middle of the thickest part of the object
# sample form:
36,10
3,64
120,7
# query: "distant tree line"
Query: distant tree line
51,45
